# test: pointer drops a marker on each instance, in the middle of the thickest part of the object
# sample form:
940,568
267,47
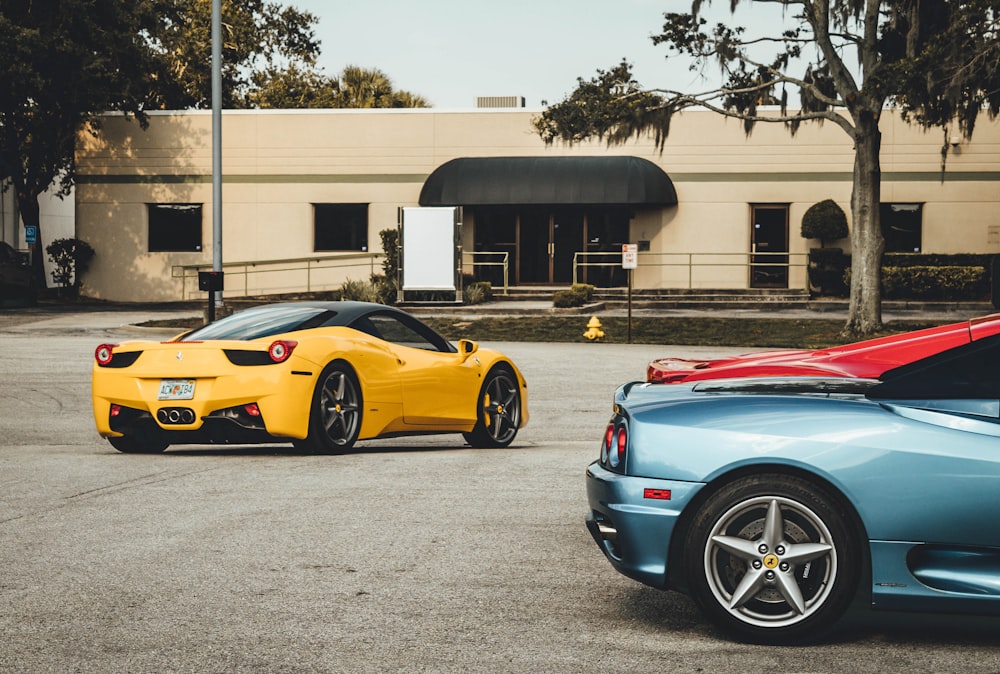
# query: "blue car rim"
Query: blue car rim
770,561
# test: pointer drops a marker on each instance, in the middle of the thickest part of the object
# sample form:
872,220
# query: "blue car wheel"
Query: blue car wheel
772,559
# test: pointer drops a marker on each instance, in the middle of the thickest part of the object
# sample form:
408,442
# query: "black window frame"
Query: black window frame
173,227
340,227
902,226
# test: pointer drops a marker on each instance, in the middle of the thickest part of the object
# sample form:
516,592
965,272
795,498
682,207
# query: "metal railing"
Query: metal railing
316,273
691,261
503,261
301,274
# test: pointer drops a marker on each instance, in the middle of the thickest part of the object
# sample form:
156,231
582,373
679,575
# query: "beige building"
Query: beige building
306,193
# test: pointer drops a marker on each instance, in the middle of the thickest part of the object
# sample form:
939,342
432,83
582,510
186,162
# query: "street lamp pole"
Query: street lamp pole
216,293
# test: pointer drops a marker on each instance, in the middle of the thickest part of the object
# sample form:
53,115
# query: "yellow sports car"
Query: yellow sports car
321,375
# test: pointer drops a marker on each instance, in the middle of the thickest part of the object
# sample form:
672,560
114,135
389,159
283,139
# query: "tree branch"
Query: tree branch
817,14
680,101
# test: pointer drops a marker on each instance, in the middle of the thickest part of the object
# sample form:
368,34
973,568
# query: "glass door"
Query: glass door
534,247
495,235
769,246
547,240
567,239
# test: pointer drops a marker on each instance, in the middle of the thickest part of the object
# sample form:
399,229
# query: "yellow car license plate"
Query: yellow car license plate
176,389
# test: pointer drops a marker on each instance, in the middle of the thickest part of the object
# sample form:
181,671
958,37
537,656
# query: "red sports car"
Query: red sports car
869,358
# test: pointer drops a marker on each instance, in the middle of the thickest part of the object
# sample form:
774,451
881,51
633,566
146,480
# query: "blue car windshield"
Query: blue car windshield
260,322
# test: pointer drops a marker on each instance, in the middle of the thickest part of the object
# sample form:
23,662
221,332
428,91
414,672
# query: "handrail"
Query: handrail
749,261
504,262
257,268
314,265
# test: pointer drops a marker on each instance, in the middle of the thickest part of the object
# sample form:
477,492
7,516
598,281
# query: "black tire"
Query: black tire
335,411
498,410
128,444
773,559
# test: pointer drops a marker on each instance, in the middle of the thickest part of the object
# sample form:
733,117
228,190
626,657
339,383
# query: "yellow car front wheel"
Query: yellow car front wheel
498,410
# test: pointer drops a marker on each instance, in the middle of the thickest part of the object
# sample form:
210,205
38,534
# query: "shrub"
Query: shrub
577,295
944,283
71,258
937,260
388,282
478,292
384,289
825,221
826,271
358,291
934,283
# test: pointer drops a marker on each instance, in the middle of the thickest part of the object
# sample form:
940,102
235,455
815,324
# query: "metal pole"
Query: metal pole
629,306
217,141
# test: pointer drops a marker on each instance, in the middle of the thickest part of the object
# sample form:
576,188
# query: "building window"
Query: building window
901,227
174,228
340,227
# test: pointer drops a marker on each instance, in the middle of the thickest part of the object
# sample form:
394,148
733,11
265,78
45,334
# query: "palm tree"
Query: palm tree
359,87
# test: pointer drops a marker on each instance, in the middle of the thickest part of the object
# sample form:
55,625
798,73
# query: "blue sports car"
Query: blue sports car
774,502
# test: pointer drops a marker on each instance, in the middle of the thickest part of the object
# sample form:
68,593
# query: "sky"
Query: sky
451,51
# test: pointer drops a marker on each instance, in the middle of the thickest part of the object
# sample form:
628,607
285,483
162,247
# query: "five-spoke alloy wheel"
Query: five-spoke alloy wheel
772,559
335,417
498,410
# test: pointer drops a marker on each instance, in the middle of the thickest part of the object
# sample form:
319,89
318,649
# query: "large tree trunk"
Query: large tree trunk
865,313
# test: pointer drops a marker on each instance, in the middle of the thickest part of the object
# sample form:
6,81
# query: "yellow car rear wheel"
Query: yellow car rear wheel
335,414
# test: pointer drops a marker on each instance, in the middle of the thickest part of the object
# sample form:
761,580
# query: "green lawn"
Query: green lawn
707,331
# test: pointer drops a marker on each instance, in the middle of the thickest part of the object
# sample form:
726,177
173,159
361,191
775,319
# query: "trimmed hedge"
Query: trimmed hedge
826,271
916,276
825,221
943,283
935,283
577,295
937,260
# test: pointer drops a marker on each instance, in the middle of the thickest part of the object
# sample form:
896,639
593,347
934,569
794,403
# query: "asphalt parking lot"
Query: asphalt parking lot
410,555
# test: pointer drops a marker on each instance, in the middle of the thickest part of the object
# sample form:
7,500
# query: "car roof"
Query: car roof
346,311
969,371
269,319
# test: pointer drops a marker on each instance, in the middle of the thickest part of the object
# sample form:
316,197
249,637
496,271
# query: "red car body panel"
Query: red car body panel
869,358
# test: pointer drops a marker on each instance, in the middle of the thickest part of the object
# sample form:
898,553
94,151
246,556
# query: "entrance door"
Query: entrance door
567,239
534,247
546,245
543,241
769,246
495,234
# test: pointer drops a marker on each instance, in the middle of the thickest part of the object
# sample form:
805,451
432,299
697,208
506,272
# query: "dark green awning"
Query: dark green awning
511,181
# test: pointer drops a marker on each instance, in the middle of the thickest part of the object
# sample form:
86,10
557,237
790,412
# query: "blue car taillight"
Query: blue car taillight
615,446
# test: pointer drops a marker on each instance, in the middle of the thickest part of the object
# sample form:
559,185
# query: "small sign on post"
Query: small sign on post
31,234
630,260
630,255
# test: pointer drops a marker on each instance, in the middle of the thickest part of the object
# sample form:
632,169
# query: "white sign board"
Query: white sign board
429,247
630,255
